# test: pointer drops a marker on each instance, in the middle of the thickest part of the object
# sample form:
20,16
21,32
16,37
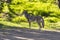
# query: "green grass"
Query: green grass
5,24
49,26
26,25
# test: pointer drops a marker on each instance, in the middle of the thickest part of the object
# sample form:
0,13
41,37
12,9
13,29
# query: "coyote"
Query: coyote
31,18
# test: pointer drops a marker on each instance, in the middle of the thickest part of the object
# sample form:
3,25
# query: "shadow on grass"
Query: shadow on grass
2,26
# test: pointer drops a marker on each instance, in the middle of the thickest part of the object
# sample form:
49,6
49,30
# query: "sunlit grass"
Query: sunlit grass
5,24
26,25
49,26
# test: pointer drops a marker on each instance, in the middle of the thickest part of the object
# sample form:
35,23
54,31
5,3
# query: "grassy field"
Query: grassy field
49,26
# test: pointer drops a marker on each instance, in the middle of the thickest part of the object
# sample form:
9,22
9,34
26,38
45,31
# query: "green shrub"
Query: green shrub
52,19
19,19
2,19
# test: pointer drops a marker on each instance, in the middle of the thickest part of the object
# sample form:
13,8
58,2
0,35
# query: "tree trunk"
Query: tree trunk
59,3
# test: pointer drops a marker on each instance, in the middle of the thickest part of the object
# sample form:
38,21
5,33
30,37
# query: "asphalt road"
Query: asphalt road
27,34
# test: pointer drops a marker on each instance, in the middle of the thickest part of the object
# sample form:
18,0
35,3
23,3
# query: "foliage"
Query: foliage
42,8
52,19
19,19
45,8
